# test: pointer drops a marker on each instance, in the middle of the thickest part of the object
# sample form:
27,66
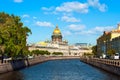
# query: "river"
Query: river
60,70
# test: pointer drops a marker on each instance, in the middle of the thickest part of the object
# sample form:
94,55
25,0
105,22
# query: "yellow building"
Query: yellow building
107,41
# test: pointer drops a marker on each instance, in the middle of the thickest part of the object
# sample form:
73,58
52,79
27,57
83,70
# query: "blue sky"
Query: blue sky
80,21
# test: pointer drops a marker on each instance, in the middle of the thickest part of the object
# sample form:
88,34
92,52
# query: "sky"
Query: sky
80,21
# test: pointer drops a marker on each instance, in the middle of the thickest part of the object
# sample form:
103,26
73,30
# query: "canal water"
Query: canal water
60,70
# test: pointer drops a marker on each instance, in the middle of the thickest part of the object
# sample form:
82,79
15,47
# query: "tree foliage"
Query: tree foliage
111,52
94,50
57,53
13,35
40,52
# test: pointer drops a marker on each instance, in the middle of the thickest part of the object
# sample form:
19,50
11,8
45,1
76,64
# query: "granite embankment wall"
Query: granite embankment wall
18,64
112,66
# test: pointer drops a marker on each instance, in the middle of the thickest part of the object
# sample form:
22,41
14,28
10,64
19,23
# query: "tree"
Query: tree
94,50
46,53
36,52
111,52
57,53
13,36
40,52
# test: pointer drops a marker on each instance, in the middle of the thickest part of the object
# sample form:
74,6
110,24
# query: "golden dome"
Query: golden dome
42,43
56,31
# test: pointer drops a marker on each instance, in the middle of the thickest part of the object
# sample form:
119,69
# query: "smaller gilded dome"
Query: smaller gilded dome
42,43
56,31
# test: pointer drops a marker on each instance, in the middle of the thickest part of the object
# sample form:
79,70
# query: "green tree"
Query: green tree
13,36
57,53
94,50
40,52
111,52
36,52
47,53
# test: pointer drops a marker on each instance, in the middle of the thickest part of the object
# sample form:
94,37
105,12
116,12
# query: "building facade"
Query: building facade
58,45
116,44
109,40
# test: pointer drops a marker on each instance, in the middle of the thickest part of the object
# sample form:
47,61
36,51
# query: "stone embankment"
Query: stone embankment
8,66
112,66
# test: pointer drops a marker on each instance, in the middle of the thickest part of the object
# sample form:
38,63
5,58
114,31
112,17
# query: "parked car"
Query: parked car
30,57
115,56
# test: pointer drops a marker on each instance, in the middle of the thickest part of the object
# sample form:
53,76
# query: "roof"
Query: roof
56,31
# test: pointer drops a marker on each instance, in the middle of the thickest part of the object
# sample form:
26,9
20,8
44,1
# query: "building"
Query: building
109,40
83,45
57,44
56,36
116,44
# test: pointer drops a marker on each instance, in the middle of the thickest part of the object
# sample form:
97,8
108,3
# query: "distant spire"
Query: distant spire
57,26
119,26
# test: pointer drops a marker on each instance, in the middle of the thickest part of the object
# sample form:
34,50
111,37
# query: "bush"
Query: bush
40,52
57,53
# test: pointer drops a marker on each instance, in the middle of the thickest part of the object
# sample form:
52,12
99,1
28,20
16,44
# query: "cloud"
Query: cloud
47,9
26,21
69,19
18,1
73,7
34,17
97,4
44,24
96,30
67,33
25,16
83,33
102,29
76,27
81,30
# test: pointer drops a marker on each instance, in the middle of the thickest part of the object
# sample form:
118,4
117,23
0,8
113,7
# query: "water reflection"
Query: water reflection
16,75
60,70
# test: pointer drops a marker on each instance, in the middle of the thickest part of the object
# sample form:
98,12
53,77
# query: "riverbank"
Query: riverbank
112,66
60,70
8,66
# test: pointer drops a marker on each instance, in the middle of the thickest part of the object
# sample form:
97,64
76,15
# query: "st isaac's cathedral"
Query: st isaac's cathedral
57,37
57,44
